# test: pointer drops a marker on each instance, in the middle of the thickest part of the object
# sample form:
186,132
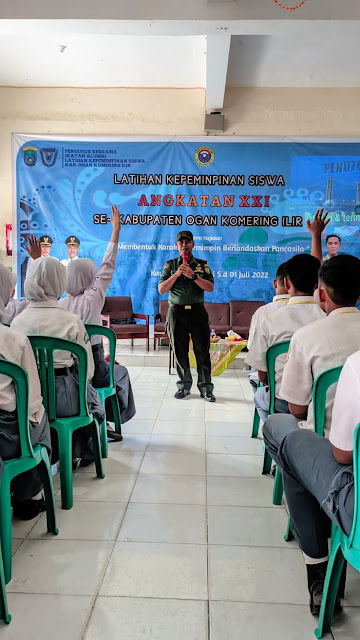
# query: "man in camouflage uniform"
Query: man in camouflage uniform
186,280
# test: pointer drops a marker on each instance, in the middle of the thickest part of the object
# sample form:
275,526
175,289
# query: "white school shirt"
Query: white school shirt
15,347
88,305
278,326
13,308
47,318
314,349
67,261
277,302
346,411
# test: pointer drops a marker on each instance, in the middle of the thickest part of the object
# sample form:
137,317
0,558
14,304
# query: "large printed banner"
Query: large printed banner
245,201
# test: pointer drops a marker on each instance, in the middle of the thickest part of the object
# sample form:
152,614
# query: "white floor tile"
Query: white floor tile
249,526
176,443
270,621
171,489
161,462
149,570
16,542
179,427
85,521
174,523
234,465
148,619
257,574
346,626
221,428
233,444
137,426
42,616
243,492
115,487
59,566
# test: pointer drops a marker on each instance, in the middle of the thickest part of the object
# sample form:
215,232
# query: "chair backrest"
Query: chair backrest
219,312
272,353
163,309
320,388
118,307
44,347
241,311
98,330
20,379
354,537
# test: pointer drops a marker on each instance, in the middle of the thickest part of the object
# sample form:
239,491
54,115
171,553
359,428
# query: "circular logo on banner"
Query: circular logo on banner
204,156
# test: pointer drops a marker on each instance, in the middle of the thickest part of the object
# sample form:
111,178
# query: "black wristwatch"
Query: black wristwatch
195,276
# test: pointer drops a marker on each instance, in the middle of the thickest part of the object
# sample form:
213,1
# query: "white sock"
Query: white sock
309,560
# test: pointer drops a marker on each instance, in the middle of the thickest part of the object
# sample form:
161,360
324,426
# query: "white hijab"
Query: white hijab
80,276
6,287
46,280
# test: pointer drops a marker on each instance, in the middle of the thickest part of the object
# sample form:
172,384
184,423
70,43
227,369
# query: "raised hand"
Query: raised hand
116,223
319,222
34,248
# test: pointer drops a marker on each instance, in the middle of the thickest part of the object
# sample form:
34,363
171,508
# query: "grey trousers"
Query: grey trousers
28,484
262,402
317,487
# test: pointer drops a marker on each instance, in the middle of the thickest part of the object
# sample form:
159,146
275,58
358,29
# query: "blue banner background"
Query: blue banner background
62,184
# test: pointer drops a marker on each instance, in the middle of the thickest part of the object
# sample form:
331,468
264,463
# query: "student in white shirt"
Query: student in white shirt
318,479
44,285
279,300
318,347
302,309
86,287
15,347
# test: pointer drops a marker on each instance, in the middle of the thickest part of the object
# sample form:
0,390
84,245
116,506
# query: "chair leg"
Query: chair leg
332,579
116,413
104,442
278,487
4,613
46,477
289,534
65,459
267,462
5,524
148,344
97,449
256,423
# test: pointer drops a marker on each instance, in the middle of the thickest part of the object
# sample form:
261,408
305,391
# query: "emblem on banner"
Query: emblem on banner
48,156
30,156
204,156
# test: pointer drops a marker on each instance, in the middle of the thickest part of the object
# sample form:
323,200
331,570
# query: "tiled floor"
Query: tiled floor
180,541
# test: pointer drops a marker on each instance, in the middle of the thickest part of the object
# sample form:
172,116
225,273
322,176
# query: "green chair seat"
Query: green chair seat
44,347
30,457
109,391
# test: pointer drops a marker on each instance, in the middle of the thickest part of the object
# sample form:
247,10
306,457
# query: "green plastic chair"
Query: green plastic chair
343,549
44,347
320,388
272,353
256,419
30,457
110,391
4,613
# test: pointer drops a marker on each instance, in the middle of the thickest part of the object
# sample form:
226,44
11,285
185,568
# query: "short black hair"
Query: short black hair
332,235
302,270
341,277
281,273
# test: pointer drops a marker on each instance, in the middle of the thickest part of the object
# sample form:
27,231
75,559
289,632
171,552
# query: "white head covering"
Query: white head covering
6,287
46,280
80,276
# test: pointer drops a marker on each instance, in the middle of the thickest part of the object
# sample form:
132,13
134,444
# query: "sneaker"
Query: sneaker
181,393
209,397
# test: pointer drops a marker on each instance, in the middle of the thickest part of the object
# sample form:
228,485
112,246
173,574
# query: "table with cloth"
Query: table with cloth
222,353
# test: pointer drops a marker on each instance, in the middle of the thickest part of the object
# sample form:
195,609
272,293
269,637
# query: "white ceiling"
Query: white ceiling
211,54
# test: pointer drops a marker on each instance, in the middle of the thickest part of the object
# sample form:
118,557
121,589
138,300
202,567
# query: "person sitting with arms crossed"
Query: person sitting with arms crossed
302,309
